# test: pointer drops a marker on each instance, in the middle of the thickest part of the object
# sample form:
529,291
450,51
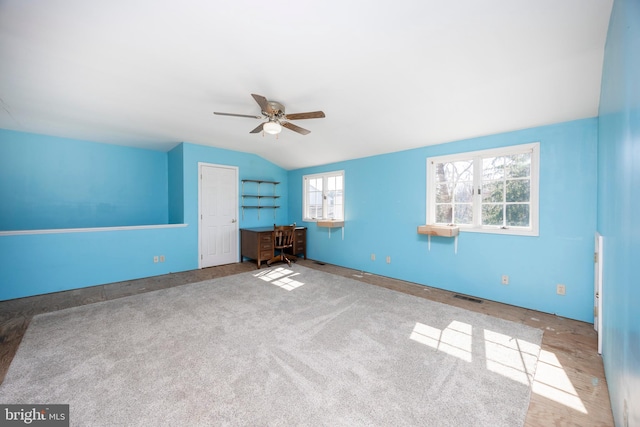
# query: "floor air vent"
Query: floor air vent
319,263
468,298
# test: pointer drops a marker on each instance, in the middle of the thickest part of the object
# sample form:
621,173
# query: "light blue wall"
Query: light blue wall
386,201
48,182
176,185
42,263
619,209
249,166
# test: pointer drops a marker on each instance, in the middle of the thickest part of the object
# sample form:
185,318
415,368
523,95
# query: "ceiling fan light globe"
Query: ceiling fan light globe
272,128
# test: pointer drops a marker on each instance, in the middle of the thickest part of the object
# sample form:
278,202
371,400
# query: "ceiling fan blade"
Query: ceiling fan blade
263,103
310,115
258,129
237,115
295,128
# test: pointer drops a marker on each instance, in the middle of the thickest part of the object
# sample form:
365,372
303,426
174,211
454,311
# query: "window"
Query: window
323,196
491,191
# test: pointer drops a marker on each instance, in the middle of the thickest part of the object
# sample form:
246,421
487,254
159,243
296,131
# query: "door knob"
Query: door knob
233,220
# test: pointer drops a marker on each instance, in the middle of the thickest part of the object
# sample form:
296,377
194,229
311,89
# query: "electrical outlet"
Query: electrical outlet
388,260
561,289
161,258
505,279
373,257
155,259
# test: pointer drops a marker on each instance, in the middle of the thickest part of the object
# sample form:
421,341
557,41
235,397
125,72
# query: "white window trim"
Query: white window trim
534,148
322,175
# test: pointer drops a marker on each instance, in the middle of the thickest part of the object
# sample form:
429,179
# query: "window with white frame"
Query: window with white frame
490,191
323,196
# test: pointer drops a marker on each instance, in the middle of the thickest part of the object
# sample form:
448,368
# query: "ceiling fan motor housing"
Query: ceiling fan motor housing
277,110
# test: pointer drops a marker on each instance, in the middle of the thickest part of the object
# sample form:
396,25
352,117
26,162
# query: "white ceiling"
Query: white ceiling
389,75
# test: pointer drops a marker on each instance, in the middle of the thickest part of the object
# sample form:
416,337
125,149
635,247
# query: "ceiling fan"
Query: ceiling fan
276,117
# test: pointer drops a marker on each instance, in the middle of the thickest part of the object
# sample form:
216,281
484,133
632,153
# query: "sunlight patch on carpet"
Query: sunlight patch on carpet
281,277
454,340
504,355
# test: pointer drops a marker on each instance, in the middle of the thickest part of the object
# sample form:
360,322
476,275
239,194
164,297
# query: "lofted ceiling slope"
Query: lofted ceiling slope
389,76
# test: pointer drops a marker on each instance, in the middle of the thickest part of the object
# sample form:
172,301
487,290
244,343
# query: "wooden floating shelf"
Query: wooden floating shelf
330,224
439,230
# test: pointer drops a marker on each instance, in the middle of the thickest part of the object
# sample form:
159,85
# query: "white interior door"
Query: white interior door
597,296
218,211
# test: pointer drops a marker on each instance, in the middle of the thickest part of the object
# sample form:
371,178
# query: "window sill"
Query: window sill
507,231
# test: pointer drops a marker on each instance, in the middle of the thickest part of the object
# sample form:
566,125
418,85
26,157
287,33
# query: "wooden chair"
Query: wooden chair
282,239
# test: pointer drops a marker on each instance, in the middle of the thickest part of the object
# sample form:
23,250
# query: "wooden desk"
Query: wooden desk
257,243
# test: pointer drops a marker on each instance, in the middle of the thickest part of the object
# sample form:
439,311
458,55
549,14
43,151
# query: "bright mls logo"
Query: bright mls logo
34,415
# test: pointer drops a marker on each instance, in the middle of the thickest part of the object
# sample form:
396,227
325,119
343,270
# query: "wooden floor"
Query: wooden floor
569,388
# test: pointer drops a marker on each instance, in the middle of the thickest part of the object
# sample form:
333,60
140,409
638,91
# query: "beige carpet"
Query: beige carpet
276,347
